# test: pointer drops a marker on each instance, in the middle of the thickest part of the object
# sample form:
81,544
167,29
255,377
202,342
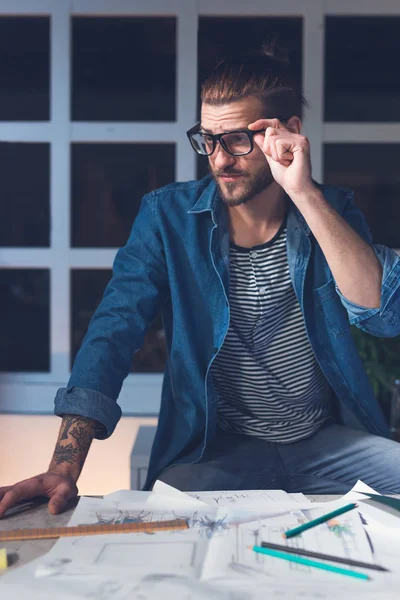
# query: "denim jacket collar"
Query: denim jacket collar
208,201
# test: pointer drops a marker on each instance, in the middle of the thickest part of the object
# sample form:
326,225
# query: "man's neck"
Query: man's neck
258,220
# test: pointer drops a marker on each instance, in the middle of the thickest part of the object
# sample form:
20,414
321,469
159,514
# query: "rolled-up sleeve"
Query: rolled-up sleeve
131,302
385,320
90,404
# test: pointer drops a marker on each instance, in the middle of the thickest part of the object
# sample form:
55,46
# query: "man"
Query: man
258,271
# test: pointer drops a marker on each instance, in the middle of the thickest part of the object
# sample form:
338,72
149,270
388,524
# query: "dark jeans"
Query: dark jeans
329,462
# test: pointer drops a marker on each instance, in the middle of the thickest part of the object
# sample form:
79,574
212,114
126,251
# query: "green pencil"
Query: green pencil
292,532
309,563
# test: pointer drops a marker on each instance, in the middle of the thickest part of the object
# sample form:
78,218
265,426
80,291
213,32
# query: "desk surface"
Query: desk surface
35,514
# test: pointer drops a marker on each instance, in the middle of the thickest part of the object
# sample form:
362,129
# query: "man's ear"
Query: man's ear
294,124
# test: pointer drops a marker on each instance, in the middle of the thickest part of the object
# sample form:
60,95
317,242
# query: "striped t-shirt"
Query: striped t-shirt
267,379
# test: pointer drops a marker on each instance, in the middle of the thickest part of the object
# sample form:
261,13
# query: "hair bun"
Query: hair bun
265,73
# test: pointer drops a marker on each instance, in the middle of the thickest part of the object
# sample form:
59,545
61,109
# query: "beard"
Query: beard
241,191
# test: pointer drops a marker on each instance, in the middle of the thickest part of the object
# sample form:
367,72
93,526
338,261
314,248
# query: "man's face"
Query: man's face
239,178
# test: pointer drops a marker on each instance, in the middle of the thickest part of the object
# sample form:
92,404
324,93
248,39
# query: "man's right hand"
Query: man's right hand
59,482
60,488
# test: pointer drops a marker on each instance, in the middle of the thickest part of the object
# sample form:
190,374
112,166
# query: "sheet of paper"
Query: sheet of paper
153,498
368,509
385,543
119,584
344,536
300,498
98,585
375,512
164,493
20,592
128,496
248,498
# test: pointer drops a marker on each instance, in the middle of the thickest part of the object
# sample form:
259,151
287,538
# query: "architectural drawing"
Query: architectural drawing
242,497
232,555
204,524
177,555
123,516
348,532
212,559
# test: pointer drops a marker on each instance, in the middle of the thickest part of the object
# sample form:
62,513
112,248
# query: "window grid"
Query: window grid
60,132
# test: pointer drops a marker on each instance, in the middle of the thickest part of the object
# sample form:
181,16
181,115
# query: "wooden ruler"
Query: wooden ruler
42,533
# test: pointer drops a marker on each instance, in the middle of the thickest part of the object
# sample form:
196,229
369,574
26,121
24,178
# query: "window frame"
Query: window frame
33,393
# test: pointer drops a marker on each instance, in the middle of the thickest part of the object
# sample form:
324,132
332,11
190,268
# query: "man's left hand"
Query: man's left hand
288,155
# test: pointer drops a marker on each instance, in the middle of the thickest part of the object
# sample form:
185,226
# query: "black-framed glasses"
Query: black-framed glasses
237,143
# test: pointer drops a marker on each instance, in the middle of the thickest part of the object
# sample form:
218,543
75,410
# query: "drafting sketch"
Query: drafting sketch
245,497
273,500
123,516
347,534
163,491
192,566
226,532
232,555
213,558
170,553
338,528
177,555
204,524
204,519
97,510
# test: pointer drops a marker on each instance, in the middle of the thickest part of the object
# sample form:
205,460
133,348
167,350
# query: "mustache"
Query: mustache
228,171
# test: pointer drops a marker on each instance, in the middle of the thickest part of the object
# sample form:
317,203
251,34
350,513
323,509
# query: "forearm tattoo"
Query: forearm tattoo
82,431
64,454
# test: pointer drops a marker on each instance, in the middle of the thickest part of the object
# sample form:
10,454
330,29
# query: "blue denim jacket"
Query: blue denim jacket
177,260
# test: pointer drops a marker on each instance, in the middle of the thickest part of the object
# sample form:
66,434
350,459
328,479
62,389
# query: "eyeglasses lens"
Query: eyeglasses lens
237,143
202,143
